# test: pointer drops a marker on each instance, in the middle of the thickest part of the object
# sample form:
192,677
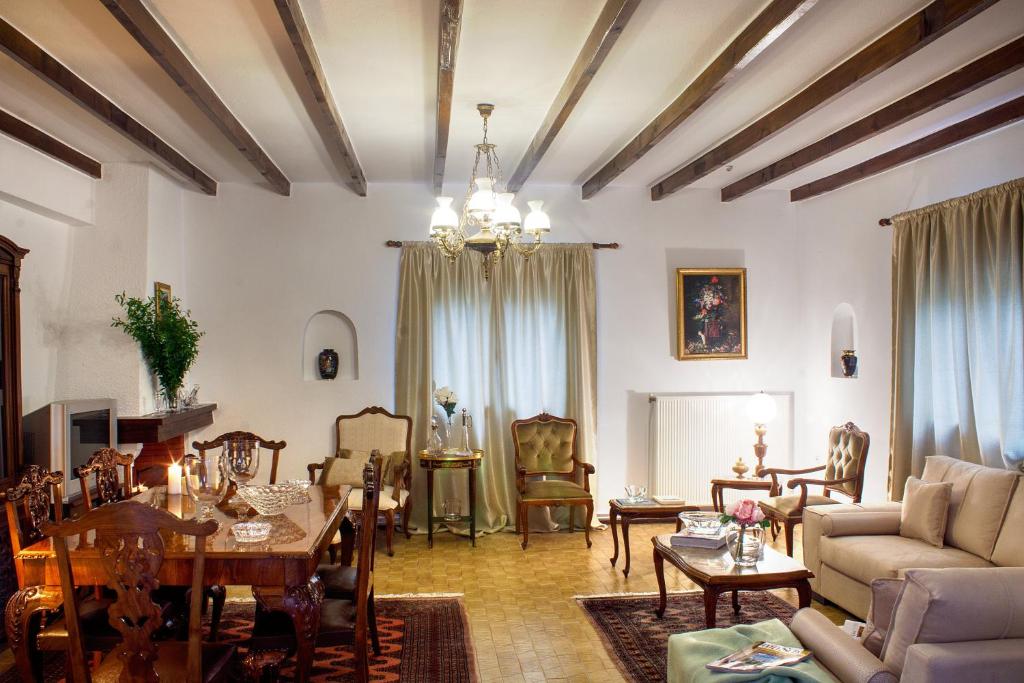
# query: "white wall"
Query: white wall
259,265
845,257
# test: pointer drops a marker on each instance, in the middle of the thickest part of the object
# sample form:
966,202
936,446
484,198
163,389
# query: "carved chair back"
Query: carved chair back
110,487
275,447
131,546
374,428
847,453
36,499
546,445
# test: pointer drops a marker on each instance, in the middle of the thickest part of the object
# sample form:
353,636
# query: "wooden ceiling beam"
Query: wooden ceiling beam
48,145
754,39
906,38
147,31
333,128
19,47
992,66
997,117
607,29
449,27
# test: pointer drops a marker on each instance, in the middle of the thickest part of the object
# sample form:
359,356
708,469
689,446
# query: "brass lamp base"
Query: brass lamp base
760,449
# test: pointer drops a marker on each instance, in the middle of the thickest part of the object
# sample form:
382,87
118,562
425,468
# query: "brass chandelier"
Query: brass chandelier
490,212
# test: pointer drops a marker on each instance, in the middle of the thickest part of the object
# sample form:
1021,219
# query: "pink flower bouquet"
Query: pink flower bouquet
745,513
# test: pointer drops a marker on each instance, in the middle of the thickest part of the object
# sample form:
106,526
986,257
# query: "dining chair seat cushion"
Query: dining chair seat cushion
274,630
98,633
555,489
172,662
789,506
338,580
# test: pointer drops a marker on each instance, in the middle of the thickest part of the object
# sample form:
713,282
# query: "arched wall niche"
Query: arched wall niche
329,329
843,336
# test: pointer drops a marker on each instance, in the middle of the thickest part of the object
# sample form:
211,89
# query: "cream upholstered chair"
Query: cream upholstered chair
371,429
844,473
548,471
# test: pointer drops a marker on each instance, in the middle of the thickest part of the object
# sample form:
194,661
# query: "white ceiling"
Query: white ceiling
380,59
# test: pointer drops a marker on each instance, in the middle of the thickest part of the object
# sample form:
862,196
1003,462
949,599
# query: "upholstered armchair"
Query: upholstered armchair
371,429
844,474
548,470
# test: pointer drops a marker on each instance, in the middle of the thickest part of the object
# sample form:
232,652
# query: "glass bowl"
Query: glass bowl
267,500
701,523
251,532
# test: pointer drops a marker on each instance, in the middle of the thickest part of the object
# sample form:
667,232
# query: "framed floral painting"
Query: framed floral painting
711,313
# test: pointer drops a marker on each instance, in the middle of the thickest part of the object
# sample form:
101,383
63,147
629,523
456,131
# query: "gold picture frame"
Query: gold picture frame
711,313
161,295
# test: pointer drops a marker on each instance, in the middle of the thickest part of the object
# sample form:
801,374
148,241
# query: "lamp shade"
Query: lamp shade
761,408
537,221
444,217
507,216
483,200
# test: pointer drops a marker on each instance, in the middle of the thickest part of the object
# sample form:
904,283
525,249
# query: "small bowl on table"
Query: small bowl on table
701,523
251,532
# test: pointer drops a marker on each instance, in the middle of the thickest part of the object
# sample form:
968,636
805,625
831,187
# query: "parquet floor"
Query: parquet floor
526,625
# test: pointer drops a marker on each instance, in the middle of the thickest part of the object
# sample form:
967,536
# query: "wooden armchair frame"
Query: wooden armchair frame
218,442
580,471
110,488
829,486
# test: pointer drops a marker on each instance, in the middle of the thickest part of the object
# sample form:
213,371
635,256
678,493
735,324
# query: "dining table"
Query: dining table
280,570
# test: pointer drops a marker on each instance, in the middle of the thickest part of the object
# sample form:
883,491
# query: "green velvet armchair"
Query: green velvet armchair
548,471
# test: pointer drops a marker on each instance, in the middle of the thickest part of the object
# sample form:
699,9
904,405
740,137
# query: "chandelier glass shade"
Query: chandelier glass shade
489,221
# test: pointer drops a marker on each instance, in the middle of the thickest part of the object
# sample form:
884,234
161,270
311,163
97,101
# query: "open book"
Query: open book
758,657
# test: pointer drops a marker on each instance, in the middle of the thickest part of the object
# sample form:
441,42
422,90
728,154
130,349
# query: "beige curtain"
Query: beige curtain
520,343
958,337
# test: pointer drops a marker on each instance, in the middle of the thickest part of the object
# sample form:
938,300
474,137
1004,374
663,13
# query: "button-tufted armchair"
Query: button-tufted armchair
844,473
548,471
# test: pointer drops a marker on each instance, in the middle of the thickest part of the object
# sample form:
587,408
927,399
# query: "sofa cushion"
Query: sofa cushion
925,508
884,596
1009,550
978,503
788,505
867,558
954,606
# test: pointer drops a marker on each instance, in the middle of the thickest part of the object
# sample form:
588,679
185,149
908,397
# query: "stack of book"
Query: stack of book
686,540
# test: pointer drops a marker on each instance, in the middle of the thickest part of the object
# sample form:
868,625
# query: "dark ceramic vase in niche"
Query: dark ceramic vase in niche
327,363
849,361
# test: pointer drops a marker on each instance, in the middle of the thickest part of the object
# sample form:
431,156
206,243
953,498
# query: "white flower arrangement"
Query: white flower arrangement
447,399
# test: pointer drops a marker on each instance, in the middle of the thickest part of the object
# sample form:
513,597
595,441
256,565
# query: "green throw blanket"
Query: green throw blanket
689,652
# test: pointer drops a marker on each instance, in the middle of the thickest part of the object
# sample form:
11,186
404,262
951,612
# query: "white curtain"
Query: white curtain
958,333
520,343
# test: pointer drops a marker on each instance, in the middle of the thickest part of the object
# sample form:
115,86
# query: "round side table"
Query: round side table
451,461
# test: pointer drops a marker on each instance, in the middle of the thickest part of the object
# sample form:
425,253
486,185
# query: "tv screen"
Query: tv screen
90,431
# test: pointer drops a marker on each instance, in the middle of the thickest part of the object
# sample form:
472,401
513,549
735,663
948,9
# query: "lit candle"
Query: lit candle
174,505
174,480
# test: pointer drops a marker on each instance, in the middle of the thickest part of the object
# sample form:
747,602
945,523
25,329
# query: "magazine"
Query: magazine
668,500
758,657
685,540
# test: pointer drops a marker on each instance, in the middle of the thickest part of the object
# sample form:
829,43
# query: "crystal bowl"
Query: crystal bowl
251,532
701,523
267,500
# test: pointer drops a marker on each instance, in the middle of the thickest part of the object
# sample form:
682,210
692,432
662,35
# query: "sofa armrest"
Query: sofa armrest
977,660
861,524
842,655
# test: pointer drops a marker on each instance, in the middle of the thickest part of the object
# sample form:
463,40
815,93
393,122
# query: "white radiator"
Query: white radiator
698,437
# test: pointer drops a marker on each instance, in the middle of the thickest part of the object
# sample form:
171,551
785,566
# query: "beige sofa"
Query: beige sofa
848,546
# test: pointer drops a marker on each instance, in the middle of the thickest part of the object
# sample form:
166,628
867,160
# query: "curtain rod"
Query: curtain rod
596,245
882,222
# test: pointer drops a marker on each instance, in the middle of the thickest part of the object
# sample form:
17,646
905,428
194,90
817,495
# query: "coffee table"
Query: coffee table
715,572
627,511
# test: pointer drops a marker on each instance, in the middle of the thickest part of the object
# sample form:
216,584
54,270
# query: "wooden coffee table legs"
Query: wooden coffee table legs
659,572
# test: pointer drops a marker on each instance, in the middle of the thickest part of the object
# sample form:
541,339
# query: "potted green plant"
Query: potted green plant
167,336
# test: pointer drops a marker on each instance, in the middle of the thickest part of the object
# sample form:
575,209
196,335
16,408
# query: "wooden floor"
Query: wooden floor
526,625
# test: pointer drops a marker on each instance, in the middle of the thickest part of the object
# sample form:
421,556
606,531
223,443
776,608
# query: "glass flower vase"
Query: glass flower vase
746,544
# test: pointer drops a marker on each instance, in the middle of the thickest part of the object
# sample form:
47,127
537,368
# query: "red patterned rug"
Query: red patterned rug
638,640
422,639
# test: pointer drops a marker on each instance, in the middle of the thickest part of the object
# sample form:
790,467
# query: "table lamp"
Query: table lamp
761,410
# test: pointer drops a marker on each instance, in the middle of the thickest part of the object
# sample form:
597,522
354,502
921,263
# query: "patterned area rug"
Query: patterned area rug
413,630
638,640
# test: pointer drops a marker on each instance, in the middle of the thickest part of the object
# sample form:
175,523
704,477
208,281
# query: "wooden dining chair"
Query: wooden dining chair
129,537
110,486
844,474
275,447
342,622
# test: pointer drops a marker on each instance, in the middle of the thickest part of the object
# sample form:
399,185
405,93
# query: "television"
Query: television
62,435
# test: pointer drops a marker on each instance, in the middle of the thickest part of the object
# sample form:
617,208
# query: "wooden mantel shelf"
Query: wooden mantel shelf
163,426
